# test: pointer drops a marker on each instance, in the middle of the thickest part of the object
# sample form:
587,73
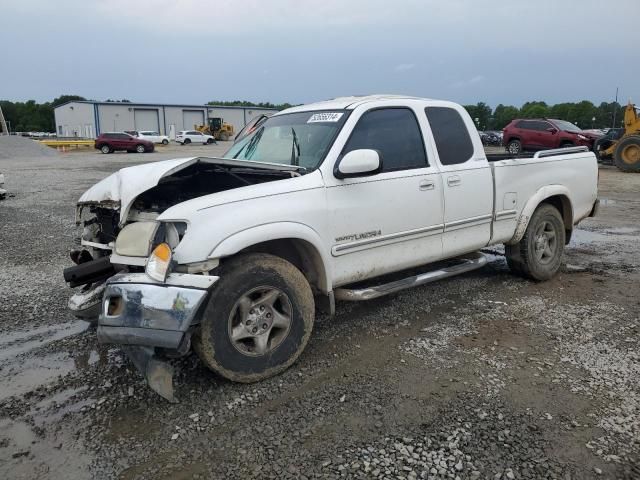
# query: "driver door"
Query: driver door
390,220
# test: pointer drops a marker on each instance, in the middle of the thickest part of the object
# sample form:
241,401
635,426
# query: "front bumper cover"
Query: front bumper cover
137,310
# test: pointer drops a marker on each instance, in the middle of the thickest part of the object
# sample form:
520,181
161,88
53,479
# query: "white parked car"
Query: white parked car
235,254
153,137
185,137
3,192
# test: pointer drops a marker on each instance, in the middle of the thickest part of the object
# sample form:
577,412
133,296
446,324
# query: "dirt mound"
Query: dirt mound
12,146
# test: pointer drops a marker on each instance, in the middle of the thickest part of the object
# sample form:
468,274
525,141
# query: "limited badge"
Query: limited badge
325,117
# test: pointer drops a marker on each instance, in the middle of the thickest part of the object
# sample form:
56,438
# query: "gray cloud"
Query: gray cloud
507,51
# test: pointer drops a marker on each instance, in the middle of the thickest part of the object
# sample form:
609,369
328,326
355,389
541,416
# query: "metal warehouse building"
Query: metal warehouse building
89,119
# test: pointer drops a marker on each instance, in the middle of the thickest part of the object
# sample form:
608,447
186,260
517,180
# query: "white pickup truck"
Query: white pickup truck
321,202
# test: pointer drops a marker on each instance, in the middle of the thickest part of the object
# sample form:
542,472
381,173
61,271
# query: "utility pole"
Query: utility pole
615,109
3,124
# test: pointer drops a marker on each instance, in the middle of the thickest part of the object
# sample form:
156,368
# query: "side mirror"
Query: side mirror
358,163
552,130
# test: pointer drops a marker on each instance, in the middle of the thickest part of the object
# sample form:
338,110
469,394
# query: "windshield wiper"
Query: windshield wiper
295,149
250,145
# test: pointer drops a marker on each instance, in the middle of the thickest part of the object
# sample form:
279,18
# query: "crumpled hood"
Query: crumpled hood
120,189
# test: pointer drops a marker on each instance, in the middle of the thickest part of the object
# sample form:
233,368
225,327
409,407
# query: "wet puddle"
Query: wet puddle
19,378
13,344
20,373
610,235
26,455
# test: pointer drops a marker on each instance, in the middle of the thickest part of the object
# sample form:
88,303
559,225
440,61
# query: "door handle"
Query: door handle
454,180
427,185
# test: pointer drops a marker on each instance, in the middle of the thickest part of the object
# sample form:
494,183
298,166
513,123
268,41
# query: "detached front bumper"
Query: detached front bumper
137,310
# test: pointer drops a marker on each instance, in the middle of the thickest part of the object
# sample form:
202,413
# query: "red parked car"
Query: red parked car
543,133
110,142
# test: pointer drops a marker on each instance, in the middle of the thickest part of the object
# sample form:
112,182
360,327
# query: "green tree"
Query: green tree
246,103
66,98
534,110
503,114
480,113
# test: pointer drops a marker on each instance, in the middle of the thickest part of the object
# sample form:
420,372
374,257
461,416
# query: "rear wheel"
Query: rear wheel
539,253
224,136
187,141
140,148
258,320
105,149
627,154
514,147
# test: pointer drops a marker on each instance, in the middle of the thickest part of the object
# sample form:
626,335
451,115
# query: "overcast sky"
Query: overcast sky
297,51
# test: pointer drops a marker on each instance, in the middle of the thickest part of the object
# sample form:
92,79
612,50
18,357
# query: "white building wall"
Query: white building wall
75,120
115,118
78,119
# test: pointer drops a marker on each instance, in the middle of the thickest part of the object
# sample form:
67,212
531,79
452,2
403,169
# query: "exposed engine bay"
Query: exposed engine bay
102,221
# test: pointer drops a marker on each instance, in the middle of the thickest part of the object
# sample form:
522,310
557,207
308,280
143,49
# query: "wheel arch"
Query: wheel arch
294,242
556,195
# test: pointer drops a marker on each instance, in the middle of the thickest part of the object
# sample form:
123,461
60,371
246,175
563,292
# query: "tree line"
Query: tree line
30,116
584,114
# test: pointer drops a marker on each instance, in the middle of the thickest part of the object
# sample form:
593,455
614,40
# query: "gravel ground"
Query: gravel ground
481,376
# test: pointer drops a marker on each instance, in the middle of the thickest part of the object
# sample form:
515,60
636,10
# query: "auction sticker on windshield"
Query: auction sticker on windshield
325,117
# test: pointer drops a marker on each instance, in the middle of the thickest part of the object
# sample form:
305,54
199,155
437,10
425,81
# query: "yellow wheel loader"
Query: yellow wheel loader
622,145
217,128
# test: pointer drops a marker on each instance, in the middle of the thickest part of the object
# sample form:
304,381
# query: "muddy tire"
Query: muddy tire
539,253
627,154
258,319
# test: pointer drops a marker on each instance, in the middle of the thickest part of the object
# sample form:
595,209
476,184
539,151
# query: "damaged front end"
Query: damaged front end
120,230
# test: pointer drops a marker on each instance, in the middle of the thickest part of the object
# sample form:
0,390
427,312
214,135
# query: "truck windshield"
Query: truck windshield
301,139
566,126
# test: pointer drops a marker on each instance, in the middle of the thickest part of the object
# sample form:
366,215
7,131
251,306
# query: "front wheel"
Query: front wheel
258,319
165,142
209,141
140,148
539,253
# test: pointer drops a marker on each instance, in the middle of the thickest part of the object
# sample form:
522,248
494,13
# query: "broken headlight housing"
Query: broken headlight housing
138,239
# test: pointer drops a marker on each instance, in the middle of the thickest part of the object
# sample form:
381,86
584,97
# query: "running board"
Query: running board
467,264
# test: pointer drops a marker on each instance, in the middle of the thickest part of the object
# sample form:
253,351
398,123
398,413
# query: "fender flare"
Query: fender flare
534,201
238,241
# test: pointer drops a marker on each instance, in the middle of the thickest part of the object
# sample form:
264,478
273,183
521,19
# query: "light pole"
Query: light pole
593,121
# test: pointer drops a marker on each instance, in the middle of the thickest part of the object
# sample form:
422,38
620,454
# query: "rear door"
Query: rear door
467,181
545,138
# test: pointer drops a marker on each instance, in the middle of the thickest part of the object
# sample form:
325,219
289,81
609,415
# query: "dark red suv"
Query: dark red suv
543,133
110,142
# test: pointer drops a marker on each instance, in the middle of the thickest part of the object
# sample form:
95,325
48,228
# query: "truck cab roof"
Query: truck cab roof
348,103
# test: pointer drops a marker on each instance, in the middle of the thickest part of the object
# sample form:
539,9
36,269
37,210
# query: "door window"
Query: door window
395,133
450,134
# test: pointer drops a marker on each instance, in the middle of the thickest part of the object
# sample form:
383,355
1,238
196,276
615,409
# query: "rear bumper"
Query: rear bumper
136,310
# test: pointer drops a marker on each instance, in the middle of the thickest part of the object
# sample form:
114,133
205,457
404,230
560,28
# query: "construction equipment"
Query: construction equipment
3,124
217,128
622,146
